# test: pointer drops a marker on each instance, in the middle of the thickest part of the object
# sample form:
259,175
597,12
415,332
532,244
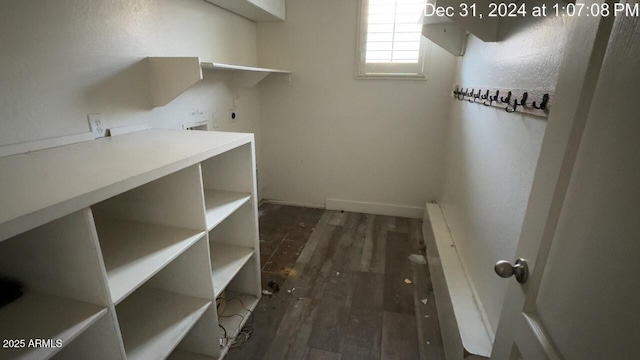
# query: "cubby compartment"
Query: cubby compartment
239,299
232,245
62,284
228,183
98,342
158,315
144,229
201,342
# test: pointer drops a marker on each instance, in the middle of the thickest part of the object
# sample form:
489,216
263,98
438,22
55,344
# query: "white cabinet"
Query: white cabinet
123,245
450,33
256,10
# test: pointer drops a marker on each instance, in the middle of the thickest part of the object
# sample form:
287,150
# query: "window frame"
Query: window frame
385,71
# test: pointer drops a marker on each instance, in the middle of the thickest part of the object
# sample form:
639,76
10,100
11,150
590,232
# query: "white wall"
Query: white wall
63,59
327,135
492,155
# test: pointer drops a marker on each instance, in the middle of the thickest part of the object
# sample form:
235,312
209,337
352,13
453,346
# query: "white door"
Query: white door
581,233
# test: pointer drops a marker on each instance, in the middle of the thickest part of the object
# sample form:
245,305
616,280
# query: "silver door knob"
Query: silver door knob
504,269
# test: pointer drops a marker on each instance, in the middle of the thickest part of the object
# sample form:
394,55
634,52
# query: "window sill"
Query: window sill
391,77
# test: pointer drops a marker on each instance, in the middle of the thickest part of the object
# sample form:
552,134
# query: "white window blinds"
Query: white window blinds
391,44
394,29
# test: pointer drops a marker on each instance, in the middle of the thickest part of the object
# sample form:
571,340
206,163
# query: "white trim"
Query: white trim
291,203
413,212
13,149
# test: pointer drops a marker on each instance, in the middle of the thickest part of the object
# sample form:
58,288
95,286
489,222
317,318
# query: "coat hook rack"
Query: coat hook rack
533,102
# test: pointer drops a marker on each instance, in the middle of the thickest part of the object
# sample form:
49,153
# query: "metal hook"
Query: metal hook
543,104
522,102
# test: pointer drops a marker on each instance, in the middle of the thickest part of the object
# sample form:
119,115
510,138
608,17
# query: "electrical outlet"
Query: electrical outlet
215,122
233,115
98,127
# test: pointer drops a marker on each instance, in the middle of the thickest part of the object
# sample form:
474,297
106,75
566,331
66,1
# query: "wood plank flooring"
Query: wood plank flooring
342,290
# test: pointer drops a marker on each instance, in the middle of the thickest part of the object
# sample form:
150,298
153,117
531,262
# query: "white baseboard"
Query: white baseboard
20,148
291,203
413,212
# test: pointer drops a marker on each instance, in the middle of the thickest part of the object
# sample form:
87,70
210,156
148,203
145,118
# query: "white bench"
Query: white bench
465,335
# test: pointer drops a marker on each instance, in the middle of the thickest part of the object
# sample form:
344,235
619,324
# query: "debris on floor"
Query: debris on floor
418,259
273,286
424,301
267,292
337,273
302,225
407,281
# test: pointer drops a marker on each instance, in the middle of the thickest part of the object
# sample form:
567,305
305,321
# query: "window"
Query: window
391,45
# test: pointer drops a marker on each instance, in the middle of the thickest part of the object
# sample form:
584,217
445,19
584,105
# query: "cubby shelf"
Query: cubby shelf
220,204
40,316
226,262
229,318
171,76
133,252
154,321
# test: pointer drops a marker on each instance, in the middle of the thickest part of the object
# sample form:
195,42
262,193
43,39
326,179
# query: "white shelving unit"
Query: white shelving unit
124,258
171,76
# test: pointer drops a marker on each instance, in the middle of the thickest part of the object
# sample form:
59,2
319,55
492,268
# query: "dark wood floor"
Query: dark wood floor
342,285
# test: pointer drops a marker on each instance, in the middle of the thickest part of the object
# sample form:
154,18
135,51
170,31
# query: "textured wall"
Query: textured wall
491,155
328,135
63,59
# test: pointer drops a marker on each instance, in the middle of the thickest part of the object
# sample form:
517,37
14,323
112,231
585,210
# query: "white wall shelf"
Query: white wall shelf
226,262
115,256
154,321
220,204
451,33
256,10
134,252
171,76
40,316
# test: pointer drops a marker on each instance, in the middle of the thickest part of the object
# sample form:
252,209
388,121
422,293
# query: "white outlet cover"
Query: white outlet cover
97,125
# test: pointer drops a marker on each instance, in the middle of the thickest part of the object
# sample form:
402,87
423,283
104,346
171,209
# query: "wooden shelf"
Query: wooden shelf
171,76
40,316
229,67
220,204
134,252
154,321
256,10
226,262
